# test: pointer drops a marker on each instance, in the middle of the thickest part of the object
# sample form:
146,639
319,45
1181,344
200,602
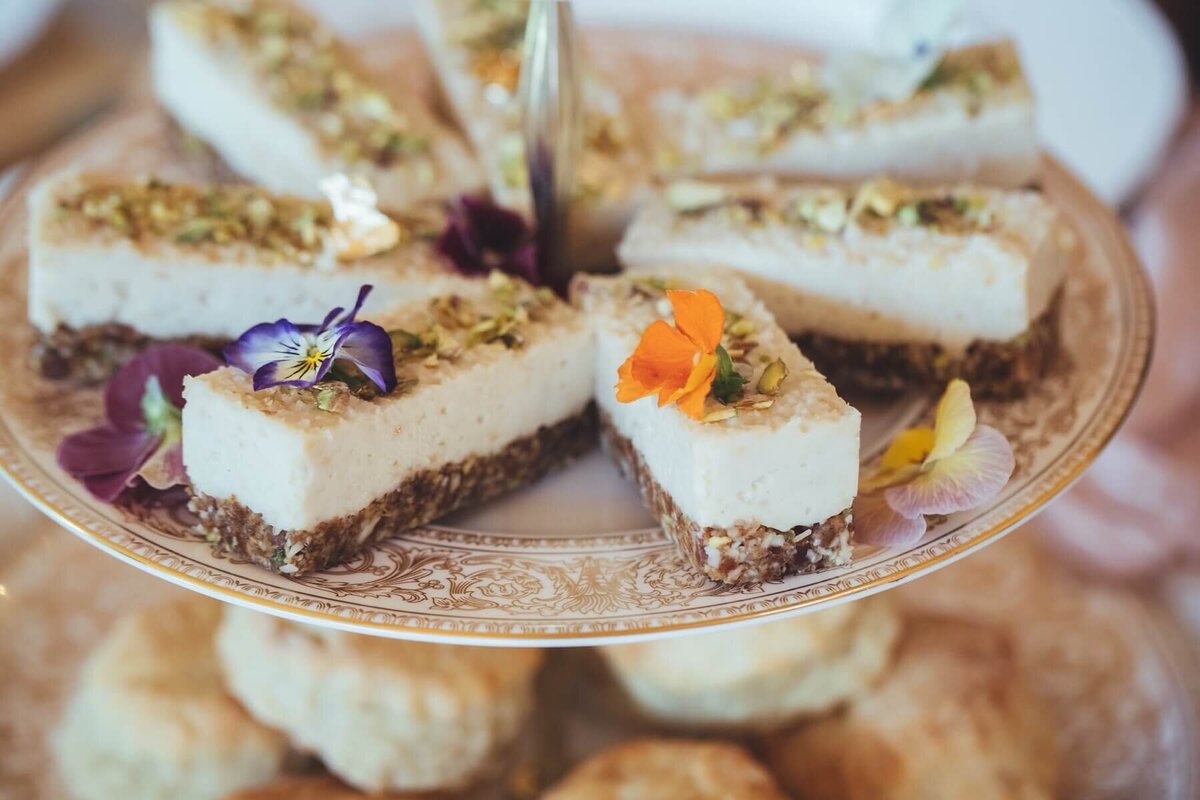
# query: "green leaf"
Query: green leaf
727,386
161,417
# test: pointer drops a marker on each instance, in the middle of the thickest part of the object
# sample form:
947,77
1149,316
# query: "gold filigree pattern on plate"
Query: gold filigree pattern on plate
440,582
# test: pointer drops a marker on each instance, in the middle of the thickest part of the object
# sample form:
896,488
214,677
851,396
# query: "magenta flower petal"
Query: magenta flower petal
973,475
105,459
877,523
523,262
169,363
496,227
368,347
458,247
481,236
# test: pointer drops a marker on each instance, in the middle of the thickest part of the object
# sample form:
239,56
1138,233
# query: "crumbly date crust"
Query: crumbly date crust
741,554
91,355
997,370
236,530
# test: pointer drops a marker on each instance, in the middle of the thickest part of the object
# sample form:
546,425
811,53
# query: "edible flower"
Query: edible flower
282,353
953,466
141,434
685,362
360,229
913,36
480,237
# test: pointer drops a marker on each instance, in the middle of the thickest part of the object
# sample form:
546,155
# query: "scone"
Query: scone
763,675
315,787
150,717
383,715
952,719
666,769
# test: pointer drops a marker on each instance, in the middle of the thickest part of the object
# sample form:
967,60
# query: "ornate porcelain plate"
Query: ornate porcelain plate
574,558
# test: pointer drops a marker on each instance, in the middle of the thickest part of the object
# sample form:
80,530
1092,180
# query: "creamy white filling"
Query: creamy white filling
798,472
216,100
941,141
175,295
912,285
220,101
298,475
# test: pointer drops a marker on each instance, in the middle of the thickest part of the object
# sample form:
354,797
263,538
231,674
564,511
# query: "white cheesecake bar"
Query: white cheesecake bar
973,120
495,388
114,263
476,52
884,284
286,104
761,487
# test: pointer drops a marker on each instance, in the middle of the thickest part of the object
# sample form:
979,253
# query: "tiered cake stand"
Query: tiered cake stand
573,560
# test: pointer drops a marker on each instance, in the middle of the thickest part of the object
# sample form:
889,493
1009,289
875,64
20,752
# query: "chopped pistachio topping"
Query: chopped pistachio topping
290,228
875,207
975,69
765,112
493,32
691,196
772,377
310,74
279,227
455,324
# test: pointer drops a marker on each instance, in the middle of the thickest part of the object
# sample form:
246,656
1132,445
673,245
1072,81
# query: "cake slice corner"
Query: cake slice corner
758,488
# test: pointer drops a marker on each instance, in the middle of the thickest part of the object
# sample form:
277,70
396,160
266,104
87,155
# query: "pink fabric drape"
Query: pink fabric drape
1136,514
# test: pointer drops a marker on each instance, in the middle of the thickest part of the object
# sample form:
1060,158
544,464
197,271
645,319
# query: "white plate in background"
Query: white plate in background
21,23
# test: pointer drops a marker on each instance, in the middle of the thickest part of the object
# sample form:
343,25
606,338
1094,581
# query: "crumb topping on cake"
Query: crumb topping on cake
279,228
876,207
764,112
308,73
430,341
289,228
492,33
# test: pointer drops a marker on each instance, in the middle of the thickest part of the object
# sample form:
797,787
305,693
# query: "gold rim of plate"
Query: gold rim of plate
439,583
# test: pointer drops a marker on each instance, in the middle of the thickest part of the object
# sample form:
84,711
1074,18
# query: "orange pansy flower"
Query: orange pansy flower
678,362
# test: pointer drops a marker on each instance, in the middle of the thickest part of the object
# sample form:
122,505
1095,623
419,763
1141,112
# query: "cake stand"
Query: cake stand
574,559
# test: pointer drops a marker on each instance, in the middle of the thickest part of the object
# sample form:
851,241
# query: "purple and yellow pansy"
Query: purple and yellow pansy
956,465
282,353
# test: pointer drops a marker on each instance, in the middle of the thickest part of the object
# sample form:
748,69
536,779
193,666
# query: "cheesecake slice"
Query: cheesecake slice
286,104
495,389
476,51
754,489
884,285
972,119
116,263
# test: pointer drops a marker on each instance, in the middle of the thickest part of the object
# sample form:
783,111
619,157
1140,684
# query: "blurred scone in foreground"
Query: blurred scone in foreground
150,717
658,769
759,676
382,714
952,719
319,787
